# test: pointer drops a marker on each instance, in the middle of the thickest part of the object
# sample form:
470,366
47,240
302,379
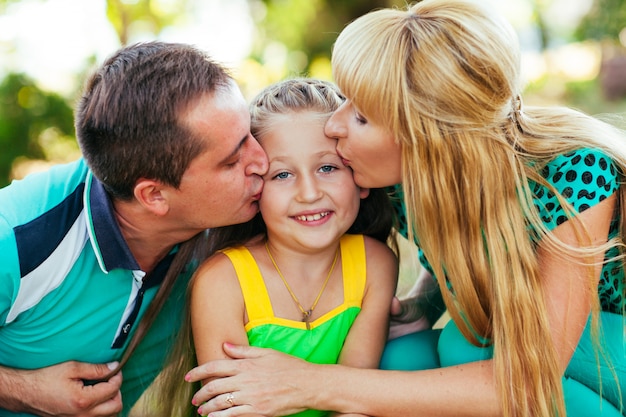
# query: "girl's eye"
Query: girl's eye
327,168
281,176
360,119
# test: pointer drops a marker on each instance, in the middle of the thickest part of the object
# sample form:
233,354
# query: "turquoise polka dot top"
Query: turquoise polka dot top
584,178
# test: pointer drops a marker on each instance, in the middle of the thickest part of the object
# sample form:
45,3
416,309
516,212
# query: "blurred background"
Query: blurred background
574,54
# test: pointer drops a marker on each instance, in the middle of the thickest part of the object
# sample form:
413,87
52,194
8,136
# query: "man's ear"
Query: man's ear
364,193
149,193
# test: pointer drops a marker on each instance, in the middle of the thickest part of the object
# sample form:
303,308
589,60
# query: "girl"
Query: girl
293,279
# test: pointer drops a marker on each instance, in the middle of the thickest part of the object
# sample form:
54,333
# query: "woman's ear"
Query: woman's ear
364,193
149,193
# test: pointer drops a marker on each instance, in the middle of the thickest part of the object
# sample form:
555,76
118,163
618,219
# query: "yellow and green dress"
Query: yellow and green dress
322,343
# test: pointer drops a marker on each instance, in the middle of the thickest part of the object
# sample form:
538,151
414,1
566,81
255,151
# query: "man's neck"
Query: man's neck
147,239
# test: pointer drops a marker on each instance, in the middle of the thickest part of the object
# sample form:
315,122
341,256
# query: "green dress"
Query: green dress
323,341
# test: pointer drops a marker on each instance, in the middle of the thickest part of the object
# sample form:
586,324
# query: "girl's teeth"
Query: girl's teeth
312,217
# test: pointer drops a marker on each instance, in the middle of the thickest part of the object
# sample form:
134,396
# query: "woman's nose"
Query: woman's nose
335,126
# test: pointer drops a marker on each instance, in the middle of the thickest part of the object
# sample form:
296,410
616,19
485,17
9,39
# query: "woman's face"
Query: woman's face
368,148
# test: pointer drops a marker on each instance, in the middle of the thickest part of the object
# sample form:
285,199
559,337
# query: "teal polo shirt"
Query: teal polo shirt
70,289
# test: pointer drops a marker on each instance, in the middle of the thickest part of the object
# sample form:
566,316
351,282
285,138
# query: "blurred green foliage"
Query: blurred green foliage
36,124
605,21
32,122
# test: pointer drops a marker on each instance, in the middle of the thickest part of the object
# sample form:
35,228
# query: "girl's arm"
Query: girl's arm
366,340
274,384
217,309
368,335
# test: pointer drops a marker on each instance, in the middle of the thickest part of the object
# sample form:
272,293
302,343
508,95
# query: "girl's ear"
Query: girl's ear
364,193
149,194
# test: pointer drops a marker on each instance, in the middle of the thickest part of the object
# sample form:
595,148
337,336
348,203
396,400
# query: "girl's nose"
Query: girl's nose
308,189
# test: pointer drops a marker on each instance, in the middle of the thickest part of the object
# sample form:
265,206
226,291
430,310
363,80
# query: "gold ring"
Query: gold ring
230,399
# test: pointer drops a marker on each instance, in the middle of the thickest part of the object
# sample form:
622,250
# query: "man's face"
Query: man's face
222,185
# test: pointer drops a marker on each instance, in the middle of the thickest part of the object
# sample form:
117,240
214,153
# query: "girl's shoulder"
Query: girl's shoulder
379,254
220,265
376,247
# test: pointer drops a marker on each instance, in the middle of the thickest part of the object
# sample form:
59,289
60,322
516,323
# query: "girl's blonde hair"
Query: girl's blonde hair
443,76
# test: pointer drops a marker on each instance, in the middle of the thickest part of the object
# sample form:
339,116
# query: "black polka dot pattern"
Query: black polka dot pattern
584,178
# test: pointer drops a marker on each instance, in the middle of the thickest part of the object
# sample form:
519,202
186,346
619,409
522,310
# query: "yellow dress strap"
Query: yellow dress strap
253,288
354,269
254,291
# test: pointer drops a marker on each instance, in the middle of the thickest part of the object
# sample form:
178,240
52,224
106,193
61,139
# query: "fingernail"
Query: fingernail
187,377
112,365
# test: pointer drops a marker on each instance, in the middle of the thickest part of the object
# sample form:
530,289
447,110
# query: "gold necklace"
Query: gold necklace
306,314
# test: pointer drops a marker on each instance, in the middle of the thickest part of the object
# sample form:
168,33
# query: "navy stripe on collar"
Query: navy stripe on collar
109,242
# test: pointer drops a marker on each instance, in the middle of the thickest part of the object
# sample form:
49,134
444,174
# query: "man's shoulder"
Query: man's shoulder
37,193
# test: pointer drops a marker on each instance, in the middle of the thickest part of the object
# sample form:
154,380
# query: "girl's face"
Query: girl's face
368,148
309,197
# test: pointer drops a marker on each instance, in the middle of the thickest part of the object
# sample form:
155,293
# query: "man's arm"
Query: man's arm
59,390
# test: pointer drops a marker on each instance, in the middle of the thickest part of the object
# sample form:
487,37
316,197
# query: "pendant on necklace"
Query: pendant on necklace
306,315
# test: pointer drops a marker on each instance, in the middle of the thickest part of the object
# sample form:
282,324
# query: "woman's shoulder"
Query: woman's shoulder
580,164
584,177
582,171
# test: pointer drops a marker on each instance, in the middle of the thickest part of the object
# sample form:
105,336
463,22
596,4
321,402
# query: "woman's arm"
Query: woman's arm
274,384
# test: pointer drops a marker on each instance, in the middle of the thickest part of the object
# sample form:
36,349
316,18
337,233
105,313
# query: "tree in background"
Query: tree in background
292,37
295,37
143,15
606,24
34,124
36,127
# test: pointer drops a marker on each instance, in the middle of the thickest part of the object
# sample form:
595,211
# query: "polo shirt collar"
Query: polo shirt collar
105,235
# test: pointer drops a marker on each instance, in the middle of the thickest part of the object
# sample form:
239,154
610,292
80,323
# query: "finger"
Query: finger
396,307
104,391
214,369
109,407
214,391
227,401
244,352
222,368
94,373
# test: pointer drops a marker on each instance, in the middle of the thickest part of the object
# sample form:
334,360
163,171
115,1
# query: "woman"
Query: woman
517,212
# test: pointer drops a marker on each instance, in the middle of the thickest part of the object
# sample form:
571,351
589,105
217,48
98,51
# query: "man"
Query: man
86,247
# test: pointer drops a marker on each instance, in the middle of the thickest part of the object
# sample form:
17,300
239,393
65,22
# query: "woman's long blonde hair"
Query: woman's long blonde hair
443,76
